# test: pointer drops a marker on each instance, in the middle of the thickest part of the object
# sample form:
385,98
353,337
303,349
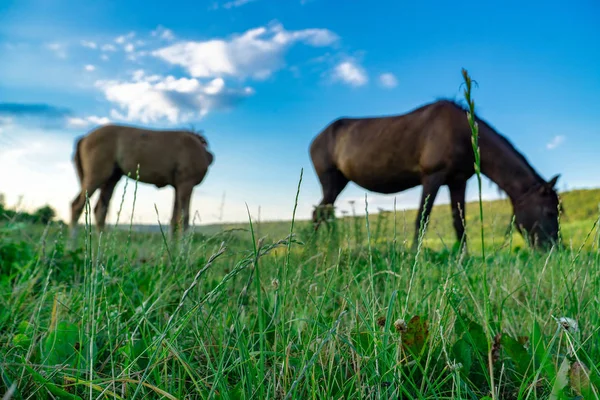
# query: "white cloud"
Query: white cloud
78,122
163,33
104,57
108,47
89,44
59,49
89,68
123,38
351,73
39,154
5,120
255,53
236,3
388,80
98,120
130,48
154,97
555,142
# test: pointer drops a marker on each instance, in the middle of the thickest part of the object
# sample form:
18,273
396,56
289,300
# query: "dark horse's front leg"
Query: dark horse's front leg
322,213
332,184
431,186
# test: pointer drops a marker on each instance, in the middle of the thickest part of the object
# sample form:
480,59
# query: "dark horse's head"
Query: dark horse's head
536,214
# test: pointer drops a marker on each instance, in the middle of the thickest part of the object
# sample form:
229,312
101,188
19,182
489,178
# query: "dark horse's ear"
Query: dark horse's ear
552,182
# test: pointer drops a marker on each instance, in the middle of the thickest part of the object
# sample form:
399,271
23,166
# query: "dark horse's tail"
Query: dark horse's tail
77,159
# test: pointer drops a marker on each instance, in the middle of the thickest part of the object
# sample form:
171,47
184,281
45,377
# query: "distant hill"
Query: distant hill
581,208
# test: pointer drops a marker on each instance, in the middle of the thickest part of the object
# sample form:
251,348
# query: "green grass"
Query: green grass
330,315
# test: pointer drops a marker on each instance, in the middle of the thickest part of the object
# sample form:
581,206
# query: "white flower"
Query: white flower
568,324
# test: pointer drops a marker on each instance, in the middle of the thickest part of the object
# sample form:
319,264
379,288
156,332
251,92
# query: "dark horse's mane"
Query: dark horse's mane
462,106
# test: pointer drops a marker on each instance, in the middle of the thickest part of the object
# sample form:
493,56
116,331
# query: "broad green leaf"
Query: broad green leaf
463,354
63,346
415,336
561,382
540,353
517,353
21,340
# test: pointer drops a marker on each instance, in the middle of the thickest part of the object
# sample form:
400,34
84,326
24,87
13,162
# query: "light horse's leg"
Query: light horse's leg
185,194
332,184
176,213
79,203
457,202
431,186
181,208
106,192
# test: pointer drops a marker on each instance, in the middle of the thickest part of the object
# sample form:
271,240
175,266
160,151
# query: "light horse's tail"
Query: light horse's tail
77,160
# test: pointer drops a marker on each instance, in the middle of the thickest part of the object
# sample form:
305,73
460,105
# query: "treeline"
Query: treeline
42,215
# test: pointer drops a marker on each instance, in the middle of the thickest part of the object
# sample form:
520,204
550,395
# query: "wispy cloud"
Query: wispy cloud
89,44
236,3
17,110
123,38
89,68
388,80
59,49
79,122
350,73
215,5
28,115
163,33
108,47
256,53
555,142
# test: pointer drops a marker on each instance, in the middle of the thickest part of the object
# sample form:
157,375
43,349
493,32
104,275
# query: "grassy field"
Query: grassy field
348,312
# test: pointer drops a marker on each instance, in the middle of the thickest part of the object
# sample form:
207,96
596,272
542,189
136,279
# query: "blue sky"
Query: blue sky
263,77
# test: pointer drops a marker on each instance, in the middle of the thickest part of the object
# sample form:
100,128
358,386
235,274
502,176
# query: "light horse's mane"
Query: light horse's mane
197,133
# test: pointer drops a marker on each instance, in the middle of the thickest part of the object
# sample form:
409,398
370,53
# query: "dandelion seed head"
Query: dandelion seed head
568,324
400,325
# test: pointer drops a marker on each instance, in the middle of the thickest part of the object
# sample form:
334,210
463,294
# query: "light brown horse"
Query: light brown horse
431,146
165,157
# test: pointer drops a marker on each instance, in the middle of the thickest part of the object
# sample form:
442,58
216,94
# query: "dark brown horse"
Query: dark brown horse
431,146
164,157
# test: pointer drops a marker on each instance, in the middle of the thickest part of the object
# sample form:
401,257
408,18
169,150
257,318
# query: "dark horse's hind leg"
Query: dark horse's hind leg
457,201
431,186
332,184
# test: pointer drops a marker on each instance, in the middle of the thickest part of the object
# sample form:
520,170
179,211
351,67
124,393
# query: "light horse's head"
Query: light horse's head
199,135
